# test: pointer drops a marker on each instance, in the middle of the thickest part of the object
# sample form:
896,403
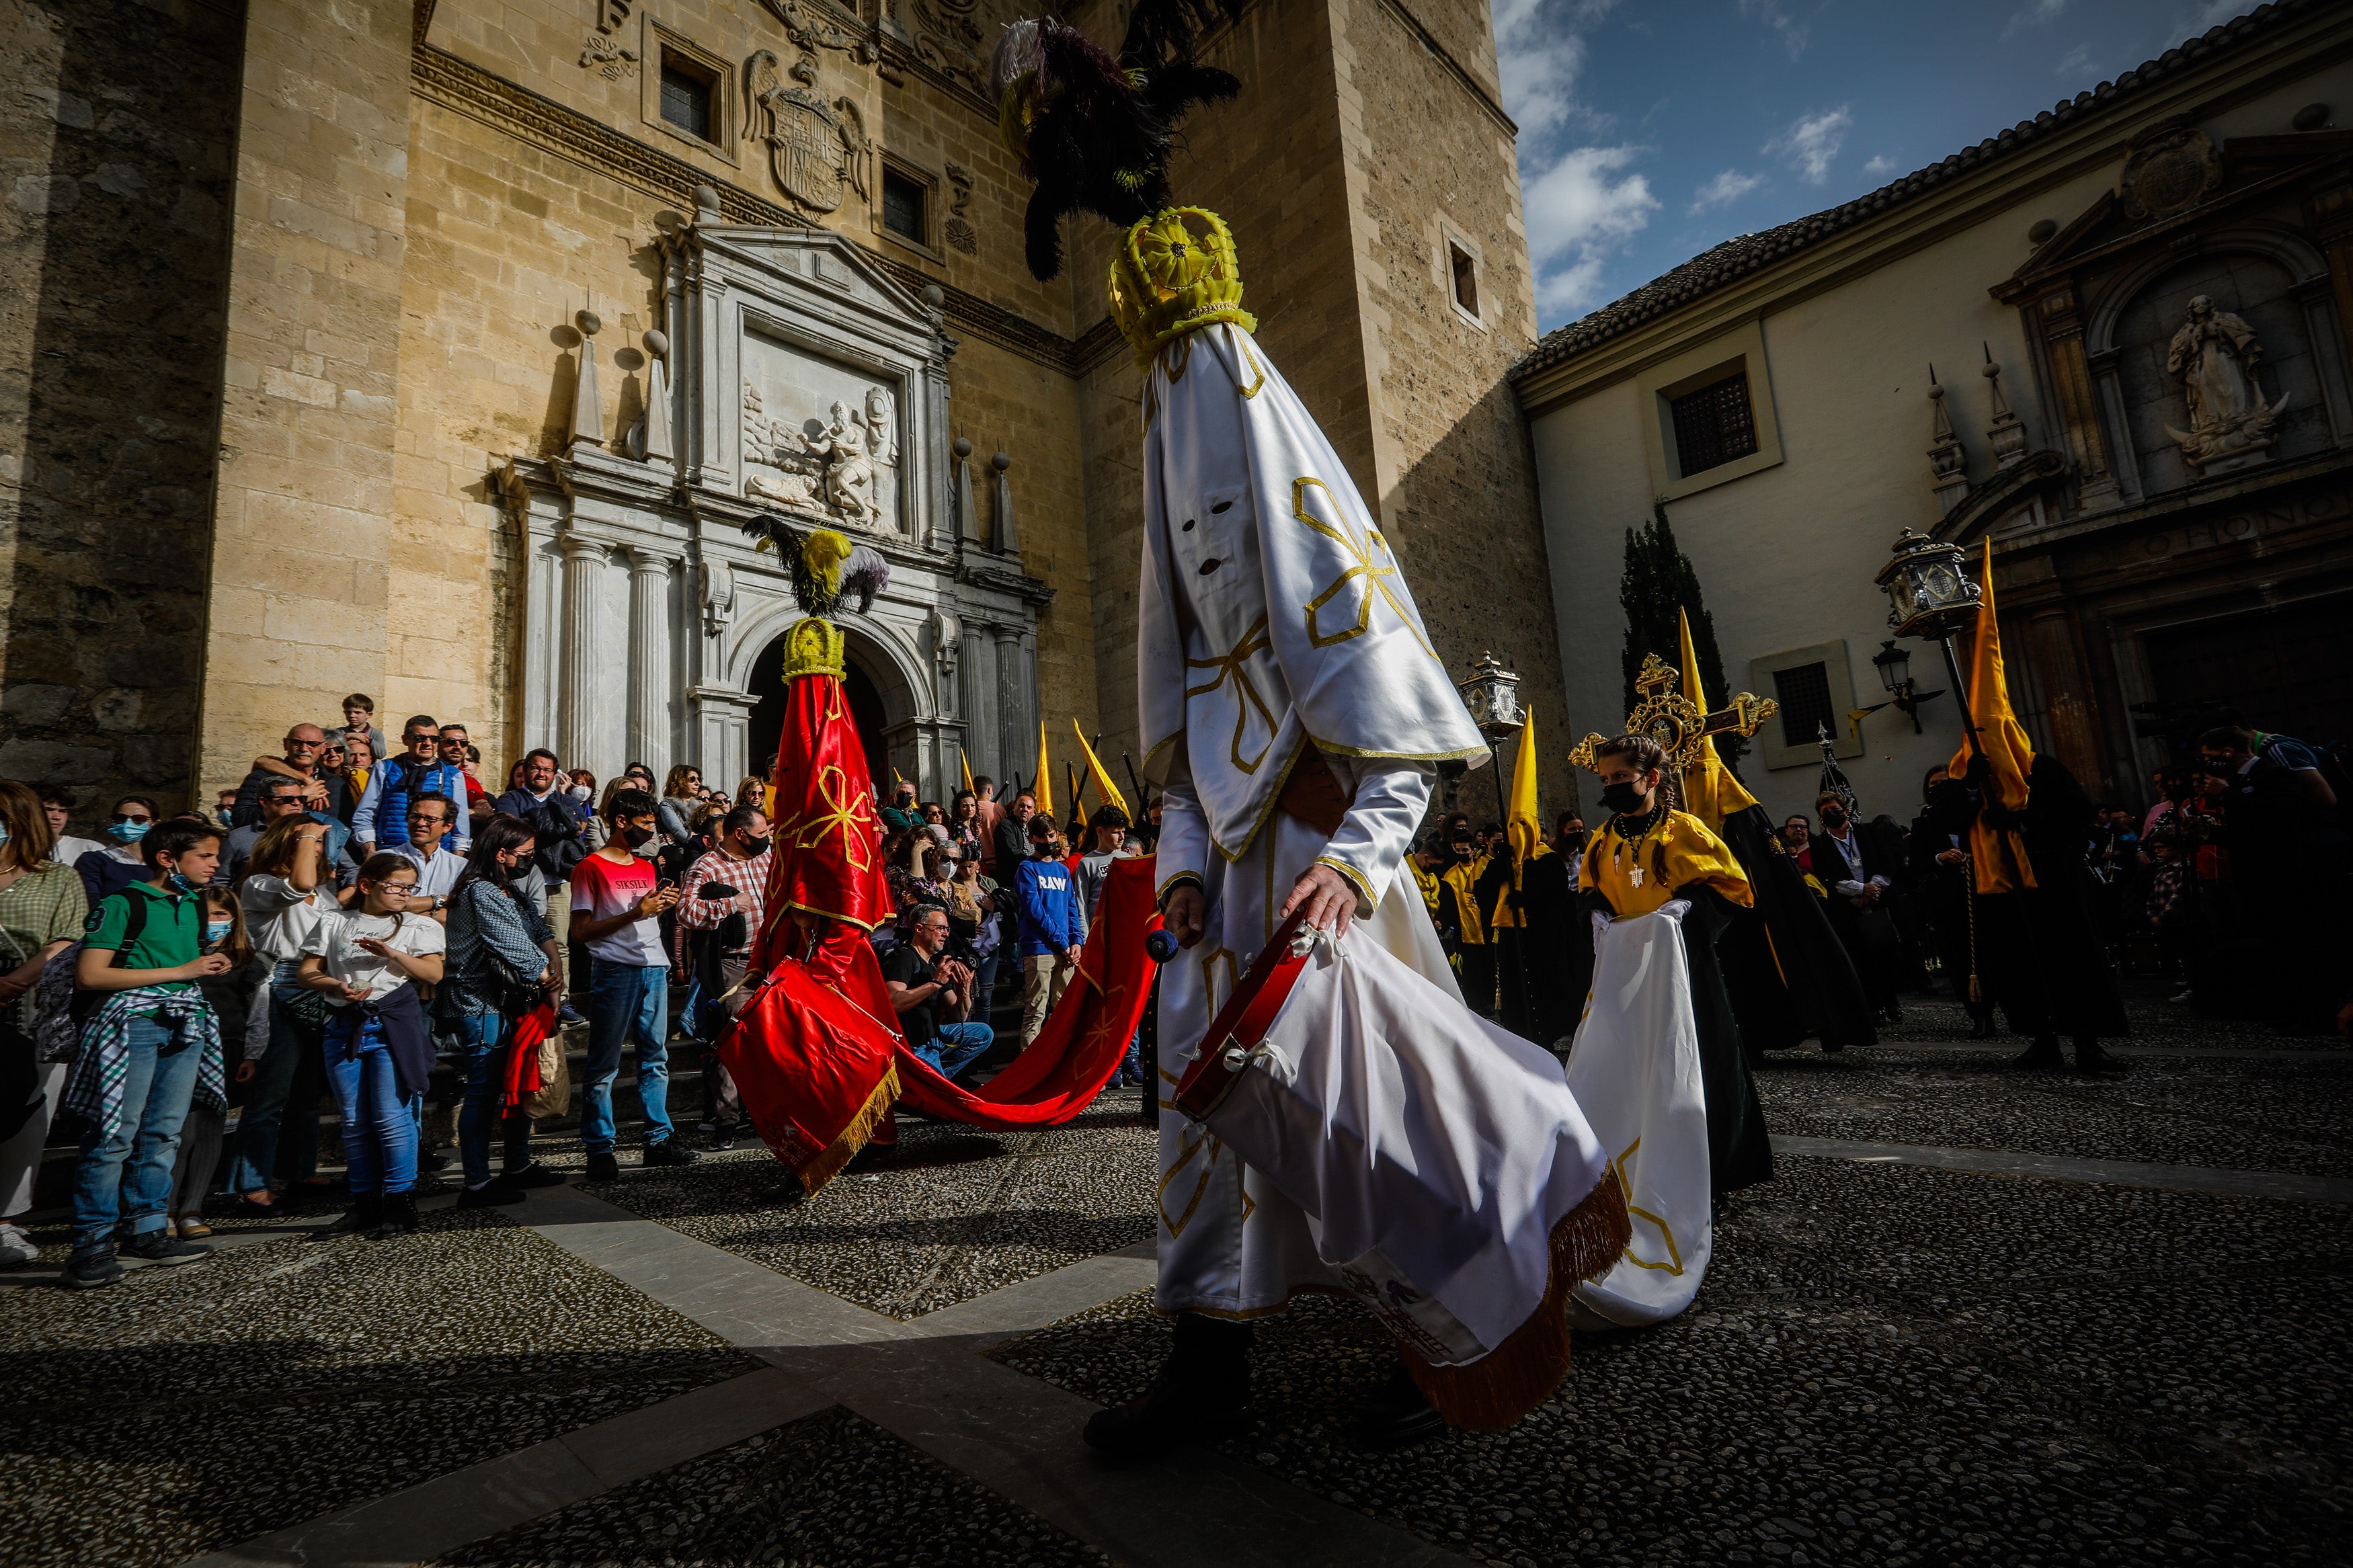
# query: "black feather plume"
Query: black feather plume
1161,31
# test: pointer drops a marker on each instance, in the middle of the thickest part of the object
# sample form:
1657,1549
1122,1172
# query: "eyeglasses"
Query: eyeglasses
432,818
397,889
129,816
294,745
281,800
424,738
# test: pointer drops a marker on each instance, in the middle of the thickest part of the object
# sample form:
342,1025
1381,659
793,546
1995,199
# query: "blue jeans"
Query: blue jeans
293,1047
157,1087
625,1003
953,1046
487,1036
379,1121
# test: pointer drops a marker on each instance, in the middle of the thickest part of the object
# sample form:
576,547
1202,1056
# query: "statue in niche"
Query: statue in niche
881,426
848,468
2214,356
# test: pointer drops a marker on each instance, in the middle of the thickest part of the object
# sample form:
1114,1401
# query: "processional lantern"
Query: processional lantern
1931,594
1493,696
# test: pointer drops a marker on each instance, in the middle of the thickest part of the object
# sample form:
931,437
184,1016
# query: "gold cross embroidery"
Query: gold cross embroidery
853,815
1254,640
1368,553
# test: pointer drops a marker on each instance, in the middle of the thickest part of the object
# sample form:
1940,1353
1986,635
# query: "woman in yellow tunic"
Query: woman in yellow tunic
1646,854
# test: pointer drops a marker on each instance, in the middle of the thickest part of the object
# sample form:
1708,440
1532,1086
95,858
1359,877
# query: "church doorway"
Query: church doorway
2285,668
767,723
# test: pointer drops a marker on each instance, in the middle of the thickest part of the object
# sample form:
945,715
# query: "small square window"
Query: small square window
1713,426
1804,692
686,93
903,203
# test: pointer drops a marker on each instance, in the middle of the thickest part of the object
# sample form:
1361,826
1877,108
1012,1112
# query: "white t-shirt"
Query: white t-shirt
335,938
280,917
70,848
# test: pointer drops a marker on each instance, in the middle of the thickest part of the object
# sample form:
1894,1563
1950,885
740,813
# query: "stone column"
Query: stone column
303,509
2079,410
650,740
1016,737
578,649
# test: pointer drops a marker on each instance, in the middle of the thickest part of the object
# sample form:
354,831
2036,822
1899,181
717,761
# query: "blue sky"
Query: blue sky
1650,130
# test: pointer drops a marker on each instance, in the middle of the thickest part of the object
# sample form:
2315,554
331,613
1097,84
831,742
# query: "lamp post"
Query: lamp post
1493,696
1930,595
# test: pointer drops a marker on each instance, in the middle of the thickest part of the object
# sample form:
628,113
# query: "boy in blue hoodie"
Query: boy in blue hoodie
1052,929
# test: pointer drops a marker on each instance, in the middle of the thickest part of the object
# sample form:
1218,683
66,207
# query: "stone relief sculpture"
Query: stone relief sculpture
817,150
849,470
2214,355
825,467
883,426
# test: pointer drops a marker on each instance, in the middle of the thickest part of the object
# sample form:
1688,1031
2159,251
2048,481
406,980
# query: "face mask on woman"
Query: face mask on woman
1623,798
581,792
216,933
128,832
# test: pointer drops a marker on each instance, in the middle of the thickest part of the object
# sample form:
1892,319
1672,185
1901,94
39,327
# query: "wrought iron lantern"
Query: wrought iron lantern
1493,696
1894,668
1930,592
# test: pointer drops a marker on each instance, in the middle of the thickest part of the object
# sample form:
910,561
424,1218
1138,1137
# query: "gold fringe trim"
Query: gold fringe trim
826,1166
1491,1393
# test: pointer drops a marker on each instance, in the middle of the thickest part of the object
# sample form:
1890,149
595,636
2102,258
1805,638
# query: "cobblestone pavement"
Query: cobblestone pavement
826,1489
1887,1364
187,1408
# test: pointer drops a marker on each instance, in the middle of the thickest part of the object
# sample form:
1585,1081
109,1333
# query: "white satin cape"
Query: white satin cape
1634,1069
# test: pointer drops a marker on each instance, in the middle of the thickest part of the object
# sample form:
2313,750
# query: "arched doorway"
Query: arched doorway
767,721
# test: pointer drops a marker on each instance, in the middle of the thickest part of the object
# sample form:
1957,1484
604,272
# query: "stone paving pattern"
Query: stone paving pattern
957,1213
826,1490
185,1409
1887,1364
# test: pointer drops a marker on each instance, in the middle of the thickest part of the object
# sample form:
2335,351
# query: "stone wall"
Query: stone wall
115,145
303,537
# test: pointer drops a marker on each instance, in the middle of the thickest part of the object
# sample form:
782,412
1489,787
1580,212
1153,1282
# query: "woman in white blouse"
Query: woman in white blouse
367,962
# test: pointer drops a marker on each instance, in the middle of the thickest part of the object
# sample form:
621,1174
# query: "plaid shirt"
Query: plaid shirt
746,877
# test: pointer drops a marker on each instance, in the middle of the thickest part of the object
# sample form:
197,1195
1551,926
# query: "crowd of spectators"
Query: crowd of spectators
375,929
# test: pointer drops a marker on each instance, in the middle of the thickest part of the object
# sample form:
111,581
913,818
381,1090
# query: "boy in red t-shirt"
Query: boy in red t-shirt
617,906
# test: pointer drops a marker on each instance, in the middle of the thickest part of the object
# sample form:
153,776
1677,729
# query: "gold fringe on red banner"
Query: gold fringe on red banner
842,1150
1491,1393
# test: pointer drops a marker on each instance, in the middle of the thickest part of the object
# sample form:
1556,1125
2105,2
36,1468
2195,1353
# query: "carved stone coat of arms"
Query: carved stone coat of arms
817,150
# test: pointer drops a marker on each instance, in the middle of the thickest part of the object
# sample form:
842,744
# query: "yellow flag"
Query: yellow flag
966,762
1709,791
1103,786
1522,825
1045,790
1998,857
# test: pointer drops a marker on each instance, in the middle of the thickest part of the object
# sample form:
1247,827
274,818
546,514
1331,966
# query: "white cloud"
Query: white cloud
1724,190
1776,17
2037,13
1583,202
1812,143
2075,61
1579,210
1879,165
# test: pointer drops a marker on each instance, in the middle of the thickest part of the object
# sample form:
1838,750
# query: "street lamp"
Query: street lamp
1894,668
1930,595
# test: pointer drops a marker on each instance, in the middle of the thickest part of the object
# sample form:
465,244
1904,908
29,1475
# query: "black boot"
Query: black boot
364,1215
2090,1058
1981,1024
1203,1388
1395,1415
399,1216
2042,1055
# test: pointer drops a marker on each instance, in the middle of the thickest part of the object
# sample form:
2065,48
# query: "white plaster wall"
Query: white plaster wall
1786,556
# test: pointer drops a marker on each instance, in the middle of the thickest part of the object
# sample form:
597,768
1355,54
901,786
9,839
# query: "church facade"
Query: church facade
2113,342
439,351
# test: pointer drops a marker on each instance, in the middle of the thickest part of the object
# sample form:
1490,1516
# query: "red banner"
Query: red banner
829,842
1084,1037
811,1054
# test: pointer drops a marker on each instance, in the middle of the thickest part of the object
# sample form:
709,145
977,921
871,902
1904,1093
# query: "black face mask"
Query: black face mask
1834,817
636,837
755,846
1577,838
1623,798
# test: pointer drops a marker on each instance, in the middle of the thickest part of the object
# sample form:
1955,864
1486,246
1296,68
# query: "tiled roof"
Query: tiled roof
1737,258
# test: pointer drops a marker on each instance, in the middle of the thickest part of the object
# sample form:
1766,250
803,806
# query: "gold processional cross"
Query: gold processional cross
1677,724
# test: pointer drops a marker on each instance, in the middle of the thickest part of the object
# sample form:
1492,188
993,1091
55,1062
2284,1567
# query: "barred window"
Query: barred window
1804,692
686,96
903,205
1713,426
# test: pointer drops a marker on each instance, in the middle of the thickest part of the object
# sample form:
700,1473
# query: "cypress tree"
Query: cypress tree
1658,580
